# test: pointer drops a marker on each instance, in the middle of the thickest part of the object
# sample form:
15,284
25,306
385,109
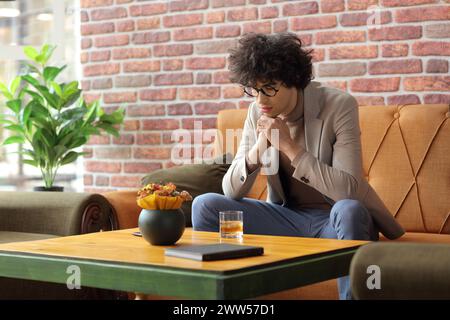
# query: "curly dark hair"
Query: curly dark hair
274,57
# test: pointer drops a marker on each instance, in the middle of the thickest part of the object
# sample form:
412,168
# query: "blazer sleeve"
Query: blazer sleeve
344,178
237,182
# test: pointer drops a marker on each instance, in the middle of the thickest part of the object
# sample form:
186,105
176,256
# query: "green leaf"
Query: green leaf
26,113
15,84
77,142
16,128
68,101
69,158
34,82
5,91
108,128
46,52
36,96
51,98
30,162
57,88
30,52
32,68
6,121
13,139
50,73
90,116
14,105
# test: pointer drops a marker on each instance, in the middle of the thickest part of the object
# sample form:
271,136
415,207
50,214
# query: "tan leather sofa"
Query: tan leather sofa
406,159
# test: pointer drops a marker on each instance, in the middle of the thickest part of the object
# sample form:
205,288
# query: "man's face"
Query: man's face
281,102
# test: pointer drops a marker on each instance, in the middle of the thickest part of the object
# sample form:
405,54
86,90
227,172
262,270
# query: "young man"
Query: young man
318,189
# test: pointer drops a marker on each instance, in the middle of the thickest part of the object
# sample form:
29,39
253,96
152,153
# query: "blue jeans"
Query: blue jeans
348,219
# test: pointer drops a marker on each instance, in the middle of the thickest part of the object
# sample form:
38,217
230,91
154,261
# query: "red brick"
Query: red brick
93,140
327,37
131,125
97,28
125,26
402,3
172,64
431,48
439,31
423,14
173,79
172,50
300,8
88,153
327,6
124,139
404,99
205,63
101,69
395,50
148,9
369,100
126,181
86,43
91,97
437,66
95,3
258,27
306,39
102,166
141,66
227,3
145,110
364,18
203,78
360,4
187,5
97,56
141,167
231,92
311,23
258,1
112,41
437,98
204,123
212,107
395,66
148,23
395,33
210,47
108,14
112,152
88,179
84,16
150,37
152,153
132,81
280,26
215,17
193,33
427,83
148,138
85,85
160,124
179,109
131,53
341,85
98,84
353,52
375,84
195,93
228,31
342,69
102,181
158,94
84,57
119,97
222,77
182,20
242,14
269,12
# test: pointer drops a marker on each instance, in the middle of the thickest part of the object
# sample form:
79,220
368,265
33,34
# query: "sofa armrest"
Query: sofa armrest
125,207
56,213
407,271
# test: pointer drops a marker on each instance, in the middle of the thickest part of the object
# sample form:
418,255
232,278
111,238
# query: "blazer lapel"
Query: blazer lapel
313,125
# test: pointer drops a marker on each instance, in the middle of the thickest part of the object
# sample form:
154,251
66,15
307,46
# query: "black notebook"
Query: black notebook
214,251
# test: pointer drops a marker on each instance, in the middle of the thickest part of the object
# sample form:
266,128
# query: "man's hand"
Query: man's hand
255,153
283,142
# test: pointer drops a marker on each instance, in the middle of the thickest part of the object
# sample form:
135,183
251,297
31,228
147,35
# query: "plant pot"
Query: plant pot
54,188
162,227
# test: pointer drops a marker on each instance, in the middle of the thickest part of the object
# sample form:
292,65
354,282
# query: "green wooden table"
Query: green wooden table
120,261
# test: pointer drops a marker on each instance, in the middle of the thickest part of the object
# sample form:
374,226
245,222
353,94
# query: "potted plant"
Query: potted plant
51,119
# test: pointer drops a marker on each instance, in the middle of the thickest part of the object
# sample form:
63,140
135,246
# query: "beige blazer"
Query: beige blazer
332,163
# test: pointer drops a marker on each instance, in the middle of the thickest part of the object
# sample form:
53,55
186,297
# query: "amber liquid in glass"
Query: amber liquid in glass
231,229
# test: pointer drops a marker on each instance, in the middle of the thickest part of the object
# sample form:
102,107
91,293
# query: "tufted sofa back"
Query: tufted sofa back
406,159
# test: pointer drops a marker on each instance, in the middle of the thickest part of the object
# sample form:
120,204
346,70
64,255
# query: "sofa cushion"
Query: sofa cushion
10,236
421,237
197,179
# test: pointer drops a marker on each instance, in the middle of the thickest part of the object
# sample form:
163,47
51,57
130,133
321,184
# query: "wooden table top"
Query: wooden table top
122,247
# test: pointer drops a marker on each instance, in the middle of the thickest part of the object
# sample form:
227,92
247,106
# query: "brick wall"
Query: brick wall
165,63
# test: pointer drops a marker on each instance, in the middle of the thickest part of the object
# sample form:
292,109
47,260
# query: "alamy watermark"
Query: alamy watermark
74,279
374,280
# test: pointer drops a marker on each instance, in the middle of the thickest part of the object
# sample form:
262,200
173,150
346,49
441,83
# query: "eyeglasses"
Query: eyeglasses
266,90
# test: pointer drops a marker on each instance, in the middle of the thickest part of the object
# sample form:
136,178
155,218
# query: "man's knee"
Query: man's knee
202,208
350,212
